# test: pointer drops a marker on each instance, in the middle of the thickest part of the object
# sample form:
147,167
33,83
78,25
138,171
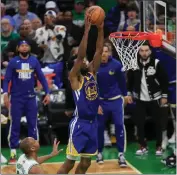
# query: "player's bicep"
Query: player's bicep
36,169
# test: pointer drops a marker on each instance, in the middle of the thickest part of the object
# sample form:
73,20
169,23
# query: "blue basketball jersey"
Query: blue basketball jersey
86,98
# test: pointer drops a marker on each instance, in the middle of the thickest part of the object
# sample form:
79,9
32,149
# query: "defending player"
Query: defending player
112,88
21,72
29,162
83,127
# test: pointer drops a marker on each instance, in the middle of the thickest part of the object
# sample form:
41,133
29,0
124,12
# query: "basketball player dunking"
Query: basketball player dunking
83,127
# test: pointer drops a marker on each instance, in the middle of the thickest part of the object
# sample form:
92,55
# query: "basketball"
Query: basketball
96,15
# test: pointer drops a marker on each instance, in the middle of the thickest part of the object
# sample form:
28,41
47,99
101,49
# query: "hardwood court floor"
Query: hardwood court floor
109,167
147,164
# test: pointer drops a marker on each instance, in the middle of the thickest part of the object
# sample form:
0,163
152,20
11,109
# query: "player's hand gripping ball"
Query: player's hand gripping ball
96,15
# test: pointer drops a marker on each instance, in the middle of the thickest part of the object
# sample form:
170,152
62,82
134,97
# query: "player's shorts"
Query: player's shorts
82,139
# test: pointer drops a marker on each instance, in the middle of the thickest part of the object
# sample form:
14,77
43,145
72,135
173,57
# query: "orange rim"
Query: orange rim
155,39
135,35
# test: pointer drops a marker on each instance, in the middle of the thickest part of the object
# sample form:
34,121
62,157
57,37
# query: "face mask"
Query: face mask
24,54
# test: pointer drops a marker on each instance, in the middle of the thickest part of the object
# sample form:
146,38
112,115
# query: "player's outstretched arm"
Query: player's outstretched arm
83,45
54,153
82,50
95,64
81,55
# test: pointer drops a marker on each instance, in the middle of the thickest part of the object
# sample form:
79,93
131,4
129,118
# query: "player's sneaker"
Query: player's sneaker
3,159
122,161
13,159
99,158
165,143
107,140
170,161
141,151
172,139
159,151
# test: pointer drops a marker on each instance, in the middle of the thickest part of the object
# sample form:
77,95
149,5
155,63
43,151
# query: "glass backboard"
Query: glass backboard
160,17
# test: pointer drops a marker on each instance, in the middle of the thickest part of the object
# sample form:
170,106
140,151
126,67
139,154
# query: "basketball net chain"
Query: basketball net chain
127,49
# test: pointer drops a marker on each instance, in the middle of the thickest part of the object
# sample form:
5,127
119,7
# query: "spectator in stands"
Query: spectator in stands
74,31
27,23
7,33
161,22
60,16
116,16
51,5
23,13
149,87
36,23
50,38
68,15
90,3
3,15
78,13
11,7
10,51
132,23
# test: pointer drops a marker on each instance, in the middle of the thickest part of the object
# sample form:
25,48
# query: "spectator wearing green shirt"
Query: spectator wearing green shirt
79,13
7,33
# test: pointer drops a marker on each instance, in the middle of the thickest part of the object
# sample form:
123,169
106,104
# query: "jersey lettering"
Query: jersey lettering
24,75
20,169
25,72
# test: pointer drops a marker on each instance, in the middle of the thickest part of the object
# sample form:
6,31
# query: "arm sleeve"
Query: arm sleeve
41,77
121,80
163,79
8,77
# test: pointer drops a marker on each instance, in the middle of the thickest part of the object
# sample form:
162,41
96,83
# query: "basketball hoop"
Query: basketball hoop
127,45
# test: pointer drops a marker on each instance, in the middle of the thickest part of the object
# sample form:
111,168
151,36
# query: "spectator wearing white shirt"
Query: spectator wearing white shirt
50,38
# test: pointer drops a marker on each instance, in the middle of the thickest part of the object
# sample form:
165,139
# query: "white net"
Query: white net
127,49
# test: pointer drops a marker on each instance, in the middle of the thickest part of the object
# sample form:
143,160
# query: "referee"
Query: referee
149,87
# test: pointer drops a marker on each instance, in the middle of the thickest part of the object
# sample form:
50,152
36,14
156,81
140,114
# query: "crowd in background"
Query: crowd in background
54,32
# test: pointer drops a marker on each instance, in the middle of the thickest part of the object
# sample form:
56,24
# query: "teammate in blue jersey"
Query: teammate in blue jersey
21,72
112,87
83,127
